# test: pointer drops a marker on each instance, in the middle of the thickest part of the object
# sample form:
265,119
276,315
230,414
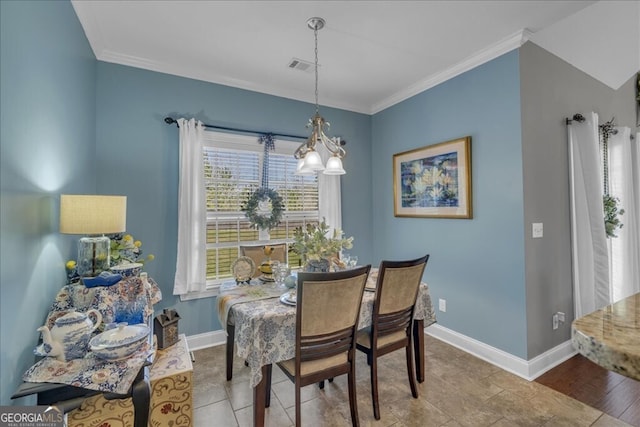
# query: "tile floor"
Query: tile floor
459,390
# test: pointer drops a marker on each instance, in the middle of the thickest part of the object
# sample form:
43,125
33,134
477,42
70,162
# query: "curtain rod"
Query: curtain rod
580,118
171,120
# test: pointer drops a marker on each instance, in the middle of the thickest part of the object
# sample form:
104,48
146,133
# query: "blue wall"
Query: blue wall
47,143
477,265
71,124
138,157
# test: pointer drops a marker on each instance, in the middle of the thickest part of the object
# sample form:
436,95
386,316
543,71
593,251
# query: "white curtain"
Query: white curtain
330,203
589,244
624,183
192,214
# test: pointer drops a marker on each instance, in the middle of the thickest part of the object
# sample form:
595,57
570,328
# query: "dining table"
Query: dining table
261,324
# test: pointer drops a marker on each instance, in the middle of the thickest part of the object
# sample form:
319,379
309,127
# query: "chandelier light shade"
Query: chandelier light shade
309,161
93,216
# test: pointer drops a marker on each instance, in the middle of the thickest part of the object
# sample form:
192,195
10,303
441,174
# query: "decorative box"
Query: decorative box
165,327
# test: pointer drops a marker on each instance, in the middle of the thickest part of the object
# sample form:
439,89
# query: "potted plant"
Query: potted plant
316,249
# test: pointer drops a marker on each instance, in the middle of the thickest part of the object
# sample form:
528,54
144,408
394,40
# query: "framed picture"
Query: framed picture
434,181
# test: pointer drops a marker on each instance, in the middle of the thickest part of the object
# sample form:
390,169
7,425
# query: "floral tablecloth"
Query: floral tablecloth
265,328
91,372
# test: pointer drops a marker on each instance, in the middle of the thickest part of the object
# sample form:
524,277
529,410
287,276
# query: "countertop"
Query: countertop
610,336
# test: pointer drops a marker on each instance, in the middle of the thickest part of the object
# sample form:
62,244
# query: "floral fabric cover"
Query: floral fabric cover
77,297
265,328
91,372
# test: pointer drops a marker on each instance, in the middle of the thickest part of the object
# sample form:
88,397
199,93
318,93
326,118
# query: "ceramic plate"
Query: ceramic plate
243,268
288,299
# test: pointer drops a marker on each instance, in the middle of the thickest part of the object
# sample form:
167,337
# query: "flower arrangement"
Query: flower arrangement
125,250
312,243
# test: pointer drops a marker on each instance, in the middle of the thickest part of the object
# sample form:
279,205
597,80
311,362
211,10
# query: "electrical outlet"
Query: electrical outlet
555,321
536,230
442,304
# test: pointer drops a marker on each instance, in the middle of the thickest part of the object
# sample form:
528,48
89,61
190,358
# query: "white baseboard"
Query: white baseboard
527,369
207,339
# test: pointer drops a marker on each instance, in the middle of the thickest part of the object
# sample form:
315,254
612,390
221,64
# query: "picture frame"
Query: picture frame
434,181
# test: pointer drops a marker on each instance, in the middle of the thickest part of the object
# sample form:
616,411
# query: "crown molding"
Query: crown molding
514,41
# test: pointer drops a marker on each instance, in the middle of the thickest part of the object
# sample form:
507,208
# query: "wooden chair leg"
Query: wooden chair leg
418,345
230,343
374,388
298,417
353,402
410,371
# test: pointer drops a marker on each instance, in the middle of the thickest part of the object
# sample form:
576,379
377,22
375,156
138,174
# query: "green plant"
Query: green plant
611,212
312,243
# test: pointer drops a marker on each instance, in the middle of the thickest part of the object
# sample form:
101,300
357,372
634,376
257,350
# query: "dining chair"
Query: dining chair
391,327
256,253
327,310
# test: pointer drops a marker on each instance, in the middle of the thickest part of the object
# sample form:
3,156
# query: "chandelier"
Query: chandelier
309,161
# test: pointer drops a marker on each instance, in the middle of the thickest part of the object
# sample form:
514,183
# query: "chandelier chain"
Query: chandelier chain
315,33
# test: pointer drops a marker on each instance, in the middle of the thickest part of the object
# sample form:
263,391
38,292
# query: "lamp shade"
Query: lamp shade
334,166
92,214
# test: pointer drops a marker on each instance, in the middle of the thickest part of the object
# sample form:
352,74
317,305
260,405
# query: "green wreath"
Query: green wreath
251,208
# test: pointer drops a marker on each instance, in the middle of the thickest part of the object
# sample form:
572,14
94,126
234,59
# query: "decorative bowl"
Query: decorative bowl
127,270
119,343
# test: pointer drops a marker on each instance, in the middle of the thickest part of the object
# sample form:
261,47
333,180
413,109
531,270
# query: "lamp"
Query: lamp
93,216
309,161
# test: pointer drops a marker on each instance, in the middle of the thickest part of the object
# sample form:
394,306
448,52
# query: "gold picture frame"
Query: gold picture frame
434,181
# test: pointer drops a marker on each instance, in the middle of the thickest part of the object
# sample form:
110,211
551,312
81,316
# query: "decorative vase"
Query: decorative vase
317,266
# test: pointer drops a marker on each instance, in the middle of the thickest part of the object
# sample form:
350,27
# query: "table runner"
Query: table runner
230,294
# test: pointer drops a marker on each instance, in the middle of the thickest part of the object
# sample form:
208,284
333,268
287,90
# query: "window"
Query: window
233,169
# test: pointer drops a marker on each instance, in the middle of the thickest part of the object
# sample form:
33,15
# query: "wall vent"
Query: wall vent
302,65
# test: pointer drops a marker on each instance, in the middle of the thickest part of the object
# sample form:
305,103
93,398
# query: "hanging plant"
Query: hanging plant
264,208
611,212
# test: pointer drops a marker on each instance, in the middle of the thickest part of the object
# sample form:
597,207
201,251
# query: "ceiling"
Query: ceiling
372,54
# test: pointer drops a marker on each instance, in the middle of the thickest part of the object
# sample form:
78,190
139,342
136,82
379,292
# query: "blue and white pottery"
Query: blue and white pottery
119,343
128,270
69,337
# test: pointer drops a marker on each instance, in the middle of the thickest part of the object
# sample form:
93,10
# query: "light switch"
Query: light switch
536,230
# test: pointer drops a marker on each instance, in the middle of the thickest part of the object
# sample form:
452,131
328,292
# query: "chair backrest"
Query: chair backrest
256,253
396,293
328,306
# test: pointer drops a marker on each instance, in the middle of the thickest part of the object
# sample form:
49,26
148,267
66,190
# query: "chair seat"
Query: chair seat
364,338
313,366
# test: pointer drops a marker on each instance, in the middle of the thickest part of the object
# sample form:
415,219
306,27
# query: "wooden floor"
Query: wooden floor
611,393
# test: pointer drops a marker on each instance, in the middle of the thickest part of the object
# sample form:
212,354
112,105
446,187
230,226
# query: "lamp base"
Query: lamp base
94,255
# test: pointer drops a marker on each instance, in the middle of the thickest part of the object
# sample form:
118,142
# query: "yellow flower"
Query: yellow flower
128,238
137,243
151,257
70,265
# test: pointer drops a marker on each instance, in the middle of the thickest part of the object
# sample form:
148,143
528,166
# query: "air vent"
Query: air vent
299,64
